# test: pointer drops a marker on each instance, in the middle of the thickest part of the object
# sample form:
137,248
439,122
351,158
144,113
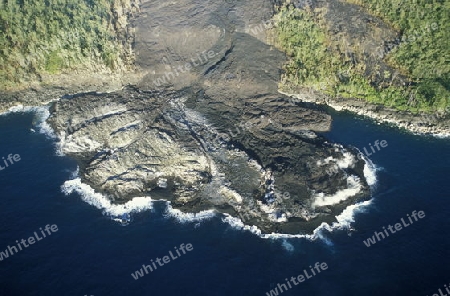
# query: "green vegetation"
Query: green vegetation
39,37
425,26
423,57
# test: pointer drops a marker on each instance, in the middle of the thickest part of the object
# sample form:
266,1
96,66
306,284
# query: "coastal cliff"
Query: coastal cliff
207,129
189,111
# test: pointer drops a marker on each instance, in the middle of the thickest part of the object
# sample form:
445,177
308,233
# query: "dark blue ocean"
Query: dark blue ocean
92,255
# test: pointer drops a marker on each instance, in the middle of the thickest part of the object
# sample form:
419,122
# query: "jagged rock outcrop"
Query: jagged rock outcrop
263,162
206,127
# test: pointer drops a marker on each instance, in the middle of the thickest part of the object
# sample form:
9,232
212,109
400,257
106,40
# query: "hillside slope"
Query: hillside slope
378,51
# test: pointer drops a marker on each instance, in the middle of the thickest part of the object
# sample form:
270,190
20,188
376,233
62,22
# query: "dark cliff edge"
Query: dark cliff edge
205,127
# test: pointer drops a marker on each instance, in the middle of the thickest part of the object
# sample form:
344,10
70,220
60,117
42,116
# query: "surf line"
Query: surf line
166,259
31,240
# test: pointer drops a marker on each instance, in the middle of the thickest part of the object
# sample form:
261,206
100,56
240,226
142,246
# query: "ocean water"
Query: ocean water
91,254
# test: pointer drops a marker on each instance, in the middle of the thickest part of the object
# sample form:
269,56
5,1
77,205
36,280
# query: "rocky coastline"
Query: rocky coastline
202,124
269,171
437,124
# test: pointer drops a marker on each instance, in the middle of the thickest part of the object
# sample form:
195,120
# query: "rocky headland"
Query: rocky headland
202,123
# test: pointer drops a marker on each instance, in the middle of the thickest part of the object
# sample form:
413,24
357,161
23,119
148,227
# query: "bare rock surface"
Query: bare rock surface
206,127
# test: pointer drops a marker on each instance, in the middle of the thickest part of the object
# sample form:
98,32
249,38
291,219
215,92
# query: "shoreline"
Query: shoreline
423,124
66,85
418,124
89,195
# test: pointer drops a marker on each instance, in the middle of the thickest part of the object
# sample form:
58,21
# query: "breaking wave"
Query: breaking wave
344,221
188,217
139,204
101,202
136,205
39,120
353,187
370,172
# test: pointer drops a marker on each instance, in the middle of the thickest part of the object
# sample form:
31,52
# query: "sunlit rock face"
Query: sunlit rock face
215,133
263,163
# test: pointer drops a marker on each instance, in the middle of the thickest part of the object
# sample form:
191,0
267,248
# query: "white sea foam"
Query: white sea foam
72,144
139,204
288,246
370,172
354,187
86,192
40,119
188,217
237,223
14,109
40,122
344,221
441,135
98,200
347,161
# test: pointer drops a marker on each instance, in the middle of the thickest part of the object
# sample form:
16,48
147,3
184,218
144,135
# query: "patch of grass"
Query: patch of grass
54,63
314,65
49,37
